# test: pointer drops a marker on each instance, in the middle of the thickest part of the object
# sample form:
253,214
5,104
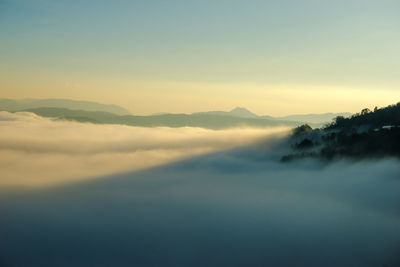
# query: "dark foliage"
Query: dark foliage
302,129
306,143
379,117
369,134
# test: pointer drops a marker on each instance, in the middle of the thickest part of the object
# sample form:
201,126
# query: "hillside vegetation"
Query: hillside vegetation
368,134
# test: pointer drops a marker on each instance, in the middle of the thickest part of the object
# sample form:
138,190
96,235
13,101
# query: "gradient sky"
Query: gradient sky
273,57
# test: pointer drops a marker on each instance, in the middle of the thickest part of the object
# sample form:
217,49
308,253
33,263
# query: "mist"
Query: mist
37,151
236,207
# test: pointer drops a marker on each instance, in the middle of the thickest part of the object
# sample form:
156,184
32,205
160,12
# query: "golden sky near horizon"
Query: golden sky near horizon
183,57
182,97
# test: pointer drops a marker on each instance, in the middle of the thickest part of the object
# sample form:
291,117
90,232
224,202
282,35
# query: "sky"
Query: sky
273,57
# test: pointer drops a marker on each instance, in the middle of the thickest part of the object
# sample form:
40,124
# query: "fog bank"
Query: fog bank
223,207
233,208
36,151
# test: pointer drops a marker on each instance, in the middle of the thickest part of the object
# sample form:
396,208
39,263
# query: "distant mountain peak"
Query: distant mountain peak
243,112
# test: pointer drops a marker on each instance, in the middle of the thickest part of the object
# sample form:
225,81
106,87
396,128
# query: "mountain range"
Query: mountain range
23,104
85,111
308,118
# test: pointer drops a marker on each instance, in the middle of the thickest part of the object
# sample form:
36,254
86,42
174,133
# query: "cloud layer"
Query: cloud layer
38,151
237,207
232,208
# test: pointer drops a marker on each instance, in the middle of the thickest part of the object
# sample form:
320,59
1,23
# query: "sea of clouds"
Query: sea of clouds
226,206
37,151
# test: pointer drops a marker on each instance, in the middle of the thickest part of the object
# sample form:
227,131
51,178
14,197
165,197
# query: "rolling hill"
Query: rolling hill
368,134
210,121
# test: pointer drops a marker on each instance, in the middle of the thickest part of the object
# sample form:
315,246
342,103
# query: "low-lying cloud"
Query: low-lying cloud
236,207
36,151
239,207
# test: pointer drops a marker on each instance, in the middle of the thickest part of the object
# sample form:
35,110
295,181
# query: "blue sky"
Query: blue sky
132,52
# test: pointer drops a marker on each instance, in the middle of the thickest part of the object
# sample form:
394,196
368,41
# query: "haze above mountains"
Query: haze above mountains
87,111
29,103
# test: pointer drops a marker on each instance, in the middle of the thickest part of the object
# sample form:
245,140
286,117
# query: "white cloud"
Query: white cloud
36,151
